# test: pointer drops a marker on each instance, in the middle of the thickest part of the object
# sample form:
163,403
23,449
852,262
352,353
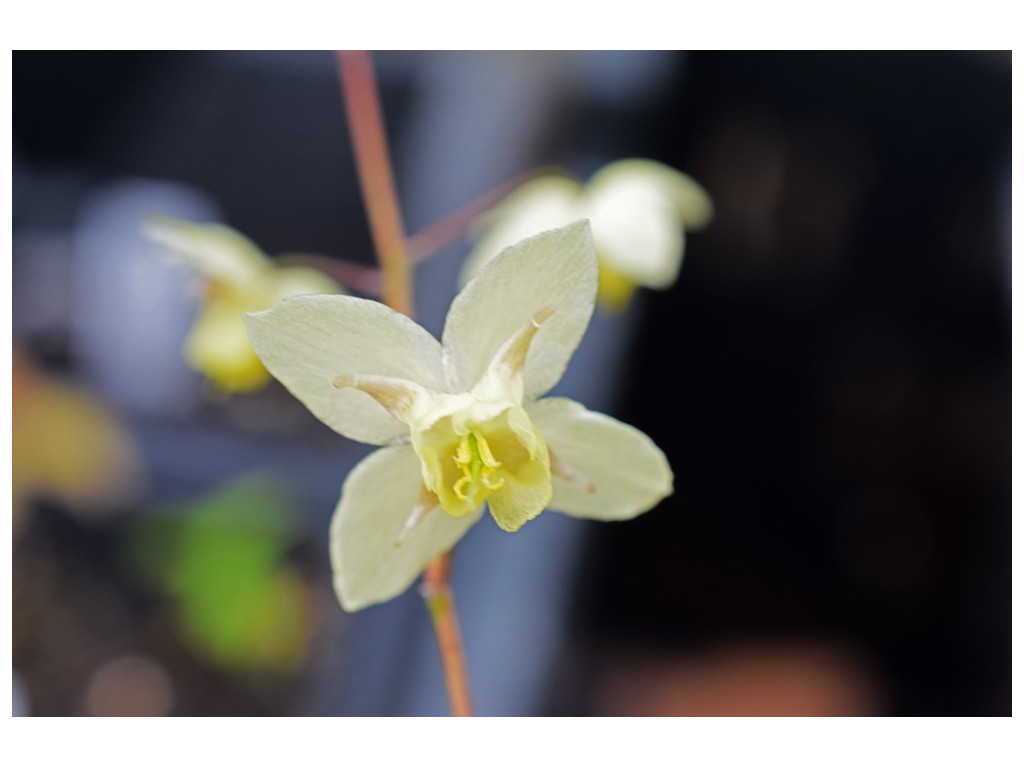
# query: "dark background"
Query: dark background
833,384
830,377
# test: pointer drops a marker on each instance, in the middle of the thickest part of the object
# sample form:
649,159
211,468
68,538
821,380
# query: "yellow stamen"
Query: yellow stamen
460,484
485,453
473,456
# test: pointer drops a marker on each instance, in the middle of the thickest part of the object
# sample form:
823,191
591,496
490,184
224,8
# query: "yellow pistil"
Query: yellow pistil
478,465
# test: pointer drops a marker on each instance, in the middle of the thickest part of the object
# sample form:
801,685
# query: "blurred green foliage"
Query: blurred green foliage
222,563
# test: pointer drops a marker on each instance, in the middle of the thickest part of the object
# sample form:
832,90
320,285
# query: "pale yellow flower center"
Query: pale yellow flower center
478,465
469,459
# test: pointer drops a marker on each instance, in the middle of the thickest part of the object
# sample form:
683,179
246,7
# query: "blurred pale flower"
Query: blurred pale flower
460,419
639,211
238,278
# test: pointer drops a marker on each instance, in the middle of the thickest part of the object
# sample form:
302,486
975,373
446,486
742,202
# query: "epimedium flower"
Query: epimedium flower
238,278
639,209
462,421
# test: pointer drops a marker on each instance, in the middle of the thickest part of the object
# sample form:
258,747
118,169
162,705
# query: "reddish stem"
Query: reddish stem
437,591
456,224
370,145
366,125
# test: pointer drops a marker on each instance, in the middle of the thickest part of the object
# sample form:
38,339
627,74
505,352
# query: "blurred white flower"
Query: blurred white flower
238,278
639,211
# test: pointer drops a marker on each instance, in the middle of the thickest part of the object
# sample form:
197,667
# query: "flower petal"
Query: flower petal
526,489
689,198
503,379
636,224
556,269
544,203
218,346
377,499
307,342
628,472
215,251
295,281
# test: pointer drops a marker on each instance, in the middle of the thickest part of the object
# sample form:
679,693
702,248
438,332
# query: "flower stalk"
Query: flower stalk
456,224
366,125
418,247
437,592
369,143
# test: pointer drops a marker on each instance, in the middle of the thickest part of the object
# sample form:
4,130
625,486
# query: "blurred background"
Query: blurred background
829,378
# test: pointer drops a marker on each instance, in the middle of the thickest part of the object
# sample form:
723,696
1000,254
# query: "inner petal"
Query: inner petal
503,379
401,398
466,462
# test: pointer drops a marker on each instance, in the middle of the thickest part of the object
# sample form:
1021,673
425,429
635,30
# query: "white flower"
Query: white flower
460,419
238,278
639,211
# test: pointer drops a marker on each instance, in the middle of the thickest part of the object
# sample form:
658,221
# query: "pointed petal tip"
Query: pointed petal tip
543,316
511,524
580,228
260,316
630,473
250,317
509,527
583,229
553,268
348,603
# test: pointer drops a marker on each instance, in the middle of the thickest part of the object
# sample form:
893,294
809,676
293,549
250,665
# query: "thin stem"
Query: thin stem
348,274
437,591
419,247
370,145
373,162
456,224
